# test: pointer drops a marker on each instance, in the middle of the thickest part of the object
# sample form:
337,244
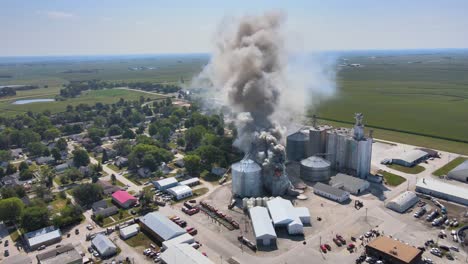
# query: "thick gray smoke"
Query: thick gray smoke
249,72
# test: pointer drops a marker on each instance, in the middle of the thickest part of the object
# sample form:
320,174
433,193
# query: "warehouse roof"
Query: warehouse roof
183,254
302,212
190,181
261,222
461,169
185,238
440,186
161,225
180,189
347,181
166,181
329,189
129,230
18,259
405,197
61,255
102,244
42,235
281,211
395,248
413,155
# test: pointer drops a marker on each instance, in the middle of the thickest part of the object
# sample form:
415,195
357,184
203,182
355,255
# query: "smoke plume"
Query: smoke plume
249,72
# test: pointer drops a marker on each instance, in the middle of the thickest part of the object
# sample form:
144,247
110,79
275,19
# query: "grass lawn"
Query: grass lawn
449,166
133,178
140,240
392,179
14,235
411,170
58,204
114,168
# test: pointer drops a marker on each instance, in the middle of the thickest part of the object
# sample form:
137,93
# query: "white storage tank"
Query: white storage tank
258,201
264,201
247,179
315,169
244,202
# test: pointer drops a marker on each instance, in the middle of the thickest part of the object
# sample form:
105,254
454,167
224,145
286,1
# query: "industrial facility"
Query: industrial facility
411,158
350,184
315,169
330,192
443,190
284,214
459,173
262,226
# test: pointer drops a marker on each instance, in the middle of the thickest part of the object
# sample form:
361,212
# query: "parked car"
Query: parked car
327,246
77,231
41,247
6,243
89,227
323,248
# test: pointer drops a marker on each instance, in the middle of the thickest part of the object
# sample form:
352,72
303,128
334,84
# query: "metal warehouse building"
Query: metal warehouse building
283,214
350,184
165,184
183,254
185,238
460,173
330,192
411,158
160,227
104,245
443,190
403,202
44,236
180,192
129,231
392,251
190,182
262,226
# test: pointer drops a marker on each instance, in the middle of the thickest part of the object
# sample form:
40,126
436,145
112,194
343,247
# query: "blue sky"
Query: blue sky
84,27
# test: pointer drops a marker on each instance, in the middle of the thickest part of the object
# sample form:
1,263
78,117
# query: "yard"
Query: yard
141,240
410,170
133,178
392,179
449,166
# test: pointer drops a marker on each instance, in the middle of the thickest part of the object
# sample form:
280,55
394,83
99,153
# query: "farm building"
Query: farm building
262,226
104,245
330,192
66,254
460,173
393,251
183,254
124,199
44,236
104,209
165,184
180,192
403,202
443,190
160,227
129,231
350,184
411,158
185,238
190,182
283,214
303,214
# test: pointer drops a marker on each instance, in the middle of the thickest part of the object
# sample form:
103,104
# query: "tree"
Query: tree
51,133
34,218
211,154
153,129
146,198
114,130
181,142
113,179
61,144
2,172
56,154
23,166
46,152
105,158
192,164
11,209
41,191
88,193
26,175
5,155
73,174
80,157
122,147
164,134
193,137
128,133
36,148
15,191
11,169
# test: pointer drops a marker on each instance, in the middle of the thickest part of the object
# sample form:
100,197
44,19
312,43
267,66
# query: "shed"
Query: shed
160,227
190,182
330,192
460,173
350,184
166,183
443,190
183,254
411,158
403,202
104,245
185,238
129,231
123,199
303,214
44,236
283,214
180,192
262,226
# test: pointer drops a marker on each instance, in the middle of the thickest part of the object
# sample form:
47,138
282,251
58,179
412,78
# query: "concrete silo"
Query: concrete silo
315,169
318,140
247,179
297,145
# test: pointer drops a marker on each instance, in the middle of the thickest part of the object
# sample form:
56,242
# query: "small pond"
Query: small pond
29,101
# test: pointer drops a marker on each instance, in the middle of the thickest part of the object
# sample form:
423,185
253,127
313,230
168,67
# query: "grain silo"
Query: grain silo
247,179
318,140
297,145
315,169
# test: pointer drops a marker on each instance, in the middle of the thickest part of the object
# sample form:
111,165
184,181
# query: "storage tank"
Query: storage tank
247,179
317,140
264,202
315,169
258,201
244,202
297,145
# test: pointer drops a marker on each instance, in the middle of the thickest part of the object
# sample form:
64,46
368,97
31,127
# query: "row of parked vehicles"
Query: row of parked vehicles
220,214
190,208
182,223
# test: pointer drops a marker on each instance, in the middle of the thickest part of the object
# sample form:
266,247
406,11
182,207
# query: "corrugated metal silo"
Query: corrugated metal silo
247,179
297,145
315,169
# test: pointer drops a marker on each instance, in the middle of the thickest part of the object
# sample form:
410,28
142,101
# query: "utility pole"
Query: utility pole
366,214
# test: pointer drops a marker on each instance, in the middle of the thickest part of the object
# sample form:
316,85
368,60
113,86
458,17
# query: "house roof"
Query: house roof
395,248
103,244
122,196
180,189
161,225
184,254
190,181
261,222
42,235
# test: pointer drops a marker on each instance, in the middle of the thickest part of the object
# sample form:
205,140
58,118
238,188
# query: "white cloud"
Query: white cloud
56,14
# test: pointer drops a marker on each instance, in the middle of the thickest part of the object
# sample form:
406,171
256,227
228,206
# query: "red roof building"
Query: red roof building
124,199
